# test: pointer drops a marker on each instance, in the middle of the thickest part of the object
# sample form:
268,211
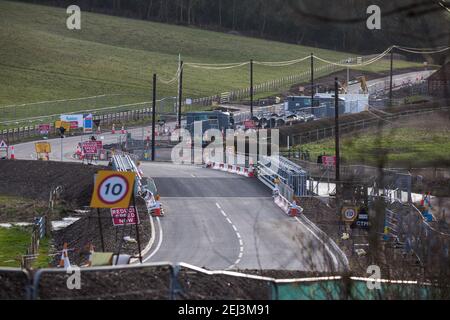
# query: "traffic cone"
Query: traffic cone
91,255
122,130
64,262
113,130
12,156
99,130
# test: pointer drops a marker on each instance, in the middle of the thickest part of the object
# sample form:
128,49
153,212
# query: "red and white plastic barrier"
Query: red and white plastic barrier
291,209
240,170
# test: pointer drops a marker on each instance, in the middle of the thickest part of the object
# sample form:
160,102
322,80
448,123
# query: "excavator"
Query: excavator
343,87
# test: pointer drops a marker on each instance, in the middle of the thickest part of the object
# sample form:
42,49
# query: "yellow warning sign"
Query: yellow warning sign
43,147
113,189
64,124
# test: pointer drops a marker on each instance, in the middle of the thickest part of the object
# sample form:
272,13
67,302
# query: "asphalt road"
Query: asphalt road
222,221
69,143
380,84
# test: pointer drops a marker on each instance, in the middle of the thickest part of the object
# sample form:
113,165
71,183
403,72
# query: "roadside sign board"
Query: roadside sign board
43,147
90,147
44,128
99,144
329,161
119,216
249,124
112,189
88,123
75,120
73,124
349,214
363,219
64,124
3,150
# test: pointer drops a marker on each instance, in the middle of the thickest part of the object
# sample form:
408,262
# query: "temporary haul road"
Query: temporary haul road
217,219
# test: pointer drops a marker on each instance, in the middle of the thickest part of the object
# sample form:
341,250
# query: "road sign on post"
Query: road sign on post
113,189
90,147
121,217
43,147
329,161
349,214
3,150
44,129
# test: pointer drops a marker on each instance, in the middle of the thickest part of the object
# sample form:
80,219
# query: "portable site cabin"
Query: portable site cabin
324,104
209,120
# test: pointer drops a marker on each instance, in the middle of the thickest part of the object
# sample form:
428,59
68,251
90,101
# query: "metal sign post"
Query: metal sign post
100,228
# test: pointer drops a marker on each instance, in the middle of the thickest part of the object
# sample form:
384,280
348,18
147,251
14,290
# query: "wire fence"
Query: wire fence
165,281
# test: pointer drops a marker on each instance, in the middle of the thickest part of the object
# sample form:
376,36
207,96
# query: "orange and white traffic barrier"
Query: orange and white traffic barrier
113,129
64,262
12,156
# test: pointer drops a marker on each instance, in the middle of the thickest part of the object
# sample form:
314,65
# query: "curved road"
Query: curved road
221,221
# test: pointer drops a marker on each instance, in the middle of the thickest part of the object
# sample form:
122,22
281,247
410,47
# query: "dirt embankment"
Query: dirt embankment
35,179
86,231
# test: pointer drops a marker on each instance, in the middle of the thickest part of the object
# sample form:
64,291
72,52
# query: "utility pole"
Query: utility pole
251,88
153,116
312,83
180,94
348,73
336,132
391,75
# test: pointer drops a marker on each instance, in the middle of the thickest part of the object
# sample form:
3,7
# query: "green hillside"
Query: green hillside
41,60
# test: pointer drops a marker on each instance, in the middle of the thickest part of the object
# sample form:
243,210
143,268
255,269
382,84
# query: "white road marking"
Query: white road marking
238,235
159,241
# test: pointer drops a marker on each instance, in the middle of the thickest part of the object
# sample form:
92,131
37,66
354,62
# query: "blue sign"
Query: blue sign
88,123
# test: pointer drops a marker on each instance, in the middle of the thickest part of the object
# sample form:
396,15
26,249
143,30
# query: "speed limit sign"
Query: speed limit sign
349,214
112,189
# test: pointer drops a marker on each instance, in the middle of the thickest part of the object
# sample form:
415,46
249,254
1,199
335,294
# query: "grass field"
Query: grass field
41,60
15,240
13,243
413,143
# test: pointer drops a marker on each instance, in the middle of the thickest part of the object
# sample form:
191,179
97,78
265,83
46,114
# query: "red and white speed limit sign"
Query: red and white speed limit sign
112,189
349,214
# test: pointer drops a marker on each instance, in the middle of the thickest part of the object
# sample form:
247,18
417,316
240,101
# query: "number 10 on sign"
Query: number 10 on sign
113,189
